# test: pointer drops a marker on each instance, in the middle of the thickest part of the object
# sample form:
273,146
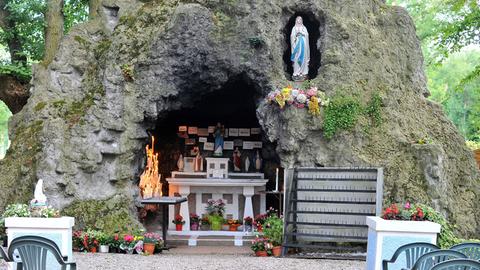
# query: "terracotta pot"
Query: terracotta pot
261,253
149,247
233,227
194,226
93,249
178,227
277,251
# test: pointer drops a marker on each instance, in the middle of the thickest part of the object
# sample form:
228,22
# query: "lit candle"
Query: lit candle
276,180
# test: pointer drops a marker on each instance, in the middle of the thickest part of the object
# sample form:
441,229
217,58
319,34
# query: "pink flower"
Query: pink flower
312,92
407,205
128,238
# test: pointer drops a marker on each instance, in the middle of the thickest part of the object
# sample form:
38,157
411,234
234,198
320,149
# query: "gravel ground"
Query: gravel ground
209,258
176,261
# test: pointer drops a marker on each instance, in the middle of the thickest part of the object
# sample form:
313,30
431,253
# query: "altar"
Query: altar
243,194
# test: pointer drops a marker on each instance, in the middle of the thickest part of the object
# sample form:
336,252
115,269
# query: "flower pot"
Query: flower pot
216,225
194,227
233,227
93,249
386,236
205,227
104,248
277,251
178,227
149,247
261,253
247,228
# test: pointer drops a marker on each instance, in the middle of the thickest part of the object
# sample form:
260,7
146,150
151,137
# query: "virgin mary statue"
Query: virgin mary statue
300,50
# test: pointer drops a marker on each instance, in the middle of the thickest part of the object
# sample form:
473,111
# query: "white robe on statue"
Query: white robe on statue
300,49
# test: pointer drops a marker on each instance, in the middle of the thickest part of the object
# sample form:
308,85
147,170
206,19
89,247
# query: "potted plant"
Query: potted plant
259,246
115,244
233,224
401,224
248,223
205,224
90,241
128,243
259,221
215,210
150,240
273,231
178,221
104,241
194,222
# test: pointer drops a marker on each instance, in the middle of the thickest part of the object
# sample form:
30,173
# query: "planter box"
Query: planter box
386,236
59,230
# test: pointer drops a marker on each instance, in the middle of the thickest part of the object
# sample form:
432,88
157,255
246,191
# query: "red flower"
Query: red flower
420,212
115,237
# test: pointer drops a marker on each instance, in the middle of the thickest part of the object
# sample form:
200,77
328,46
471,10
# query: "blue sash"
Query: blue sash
299,47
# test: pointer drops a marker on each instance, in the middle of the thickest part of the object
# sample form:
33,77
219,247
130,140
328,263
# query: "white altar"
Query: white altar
242,193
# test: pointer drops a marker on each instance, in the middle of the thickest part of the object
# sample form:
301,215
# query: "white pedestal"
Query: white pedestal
59,230
386,236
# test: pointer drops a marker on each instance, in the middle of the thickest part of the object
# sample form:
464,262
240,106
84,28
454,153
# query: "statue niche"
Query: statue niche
302,55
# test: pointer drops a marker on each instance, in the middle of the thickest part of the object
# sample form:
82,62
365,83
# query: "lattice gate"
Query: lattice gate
327,206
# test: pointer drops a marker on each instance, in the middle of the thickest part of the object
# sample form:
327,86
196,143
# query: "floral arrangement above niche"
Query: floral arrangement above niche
310,98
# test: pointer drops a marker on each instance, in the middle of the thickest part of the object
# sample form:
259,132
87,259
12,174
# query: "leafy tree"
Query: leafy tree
449,31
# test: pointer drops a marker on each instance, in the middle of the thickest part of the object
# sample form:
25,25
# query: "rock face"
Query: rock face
113,77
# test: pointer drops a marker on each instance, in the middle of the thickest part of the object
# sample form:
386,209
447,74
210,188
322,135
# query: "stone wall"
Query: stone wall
113,77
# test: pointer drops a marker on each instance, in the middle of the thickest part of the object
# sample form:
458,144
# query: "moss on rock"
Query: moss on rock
20,163
111,215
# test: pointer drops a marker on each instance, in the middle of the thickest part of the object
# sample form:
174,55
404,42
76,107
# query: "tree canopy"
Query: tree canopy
450,34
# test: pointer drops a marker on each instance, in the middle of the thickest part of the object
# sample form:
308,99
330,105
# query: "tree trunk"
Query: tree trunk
53,29
13,41
93,6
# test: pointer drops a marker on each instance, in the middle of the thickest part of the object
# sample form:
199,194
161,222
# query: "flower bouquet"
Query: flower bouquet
248,223
310,98
128,244
205,224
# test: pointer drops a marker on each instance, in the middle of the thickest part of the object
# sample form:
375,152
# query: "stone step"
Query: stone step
182,240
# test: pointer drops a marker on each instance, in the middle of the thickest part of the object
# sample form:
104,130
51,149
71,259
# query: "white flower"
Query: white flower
295,92
302,98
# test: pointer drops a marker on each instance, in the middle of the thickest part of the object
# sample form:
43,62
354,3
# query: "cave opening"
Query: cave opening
314,28
234,106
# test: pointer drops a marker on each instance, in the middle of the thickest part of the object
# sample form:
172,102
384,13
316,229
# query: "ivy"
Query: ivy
341,113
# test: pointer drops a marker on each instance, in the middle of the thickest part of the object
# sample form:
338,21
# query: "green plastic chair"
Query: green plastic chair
471,250
32,252
412,252
428,260
458,264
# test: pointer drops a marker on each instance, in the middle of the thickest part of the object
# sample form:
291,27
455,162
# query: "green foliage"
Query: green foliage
448,30
110,216
16,210
373,110
28,21
473,145
341,114
273,230
447,237
19,71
